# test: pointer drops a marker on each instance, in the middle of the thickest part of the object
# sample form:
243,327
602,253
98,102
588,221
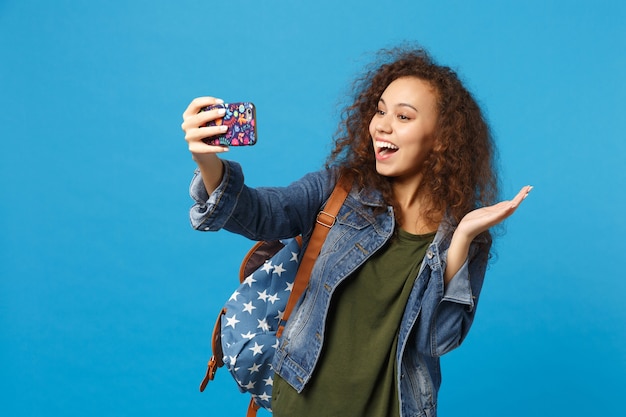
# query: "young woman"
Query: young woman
398,279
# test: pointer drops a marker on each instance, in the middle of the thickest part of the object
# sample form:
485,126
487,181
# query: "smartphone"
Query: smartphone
241,121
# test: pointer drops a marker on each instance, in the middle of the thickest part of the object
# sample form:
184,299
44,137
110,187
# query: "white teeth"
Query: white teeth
385,145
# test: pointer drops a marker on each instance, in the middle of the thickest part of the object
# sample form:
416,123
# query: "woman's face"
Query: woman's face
402,128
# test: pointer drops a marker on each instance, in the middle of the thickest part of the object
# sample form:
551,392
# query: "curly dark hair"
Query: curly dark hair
459,173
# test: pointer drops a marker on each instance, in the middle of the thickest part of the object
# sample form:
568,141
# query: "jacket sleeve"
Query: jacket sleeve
264,213
448,312
211,212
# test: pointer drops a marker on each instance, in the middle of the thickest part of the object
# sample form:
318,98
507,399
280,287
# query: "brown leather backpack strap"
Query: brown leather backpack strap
216,346
325,220
253,407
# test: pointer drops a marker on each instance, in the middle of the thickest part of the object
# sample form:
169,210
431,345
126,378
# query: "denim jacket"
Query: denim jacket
436,318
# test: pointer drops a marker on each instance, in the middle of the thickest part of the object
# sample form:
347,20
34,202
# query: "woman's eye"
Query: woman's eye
403,117
380,112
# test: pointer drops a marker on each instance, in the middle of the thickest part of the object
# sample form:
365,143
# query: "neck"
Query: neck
407,193
412,205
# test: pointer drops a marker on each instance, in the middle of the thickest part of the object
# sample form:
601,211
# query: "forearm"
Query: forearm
264,213
211,169
449,318
457,254
473,224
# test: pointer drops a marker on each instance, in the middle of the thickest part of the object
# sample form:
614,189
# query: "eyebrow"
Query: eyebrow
399,104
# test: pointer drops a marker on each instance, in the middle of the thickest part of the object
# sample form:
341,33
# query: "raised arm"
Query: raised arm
473,224
205,156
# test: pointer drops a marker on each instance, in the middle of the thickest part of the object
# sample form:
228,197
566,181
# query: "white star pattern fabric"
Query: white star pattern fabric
252,316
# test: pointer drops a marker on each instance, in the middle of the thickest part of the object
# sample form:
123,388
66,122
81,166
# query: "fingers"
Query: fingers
198,103
521,195
193,117
195,121
199,147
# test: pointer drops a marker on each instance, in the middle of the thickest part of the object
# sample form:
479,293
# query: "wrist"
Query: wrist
203,158
463,237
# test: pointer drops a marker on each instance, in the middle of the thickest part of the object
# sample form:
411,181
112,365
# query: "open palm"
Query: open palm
477,221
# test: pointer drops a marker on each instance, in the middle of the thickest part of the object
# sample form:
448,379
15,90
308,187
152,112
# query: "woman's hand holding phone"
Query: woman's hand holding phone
195,127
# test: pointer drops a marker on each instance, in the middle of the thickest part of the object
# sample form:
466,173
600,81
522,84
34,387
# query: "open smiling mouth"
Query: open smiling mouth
384,148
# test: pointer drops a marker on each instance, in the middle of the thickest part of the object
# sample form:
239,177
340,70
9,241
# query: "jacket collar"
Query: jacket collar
373,198
369,197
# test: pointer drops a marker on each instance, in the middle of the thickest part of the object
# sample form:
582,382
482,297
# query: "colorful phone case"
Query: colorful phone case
241,121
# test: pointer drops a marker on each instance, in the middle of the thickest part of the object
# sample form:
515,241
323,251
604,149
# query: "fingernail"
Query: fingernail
221,111
219,101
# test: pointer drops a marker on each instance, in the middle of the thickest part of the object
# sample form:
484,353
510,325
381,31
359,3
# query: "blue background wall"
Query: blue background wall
108,297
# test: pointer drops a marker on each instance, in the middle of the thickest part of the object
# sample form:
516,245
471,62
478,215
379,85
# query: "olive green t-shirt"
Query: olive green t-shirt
356,375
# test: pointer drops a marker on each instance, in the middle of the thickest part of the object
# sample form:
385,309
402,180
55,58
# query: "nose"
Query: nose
383,125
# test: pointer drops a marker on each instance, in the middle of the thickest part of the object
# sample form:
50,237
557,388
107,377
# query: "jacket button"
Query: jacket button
430,254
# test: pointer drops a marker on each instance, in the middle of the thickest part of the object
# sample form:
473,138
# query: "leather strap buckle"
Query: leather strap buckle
326,219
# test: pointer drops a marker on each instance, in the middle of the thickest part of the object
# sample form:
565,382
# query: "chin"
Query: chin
384,172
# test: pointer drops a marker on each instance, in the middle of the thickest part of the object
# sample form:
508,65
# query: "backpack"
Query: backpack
273,276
